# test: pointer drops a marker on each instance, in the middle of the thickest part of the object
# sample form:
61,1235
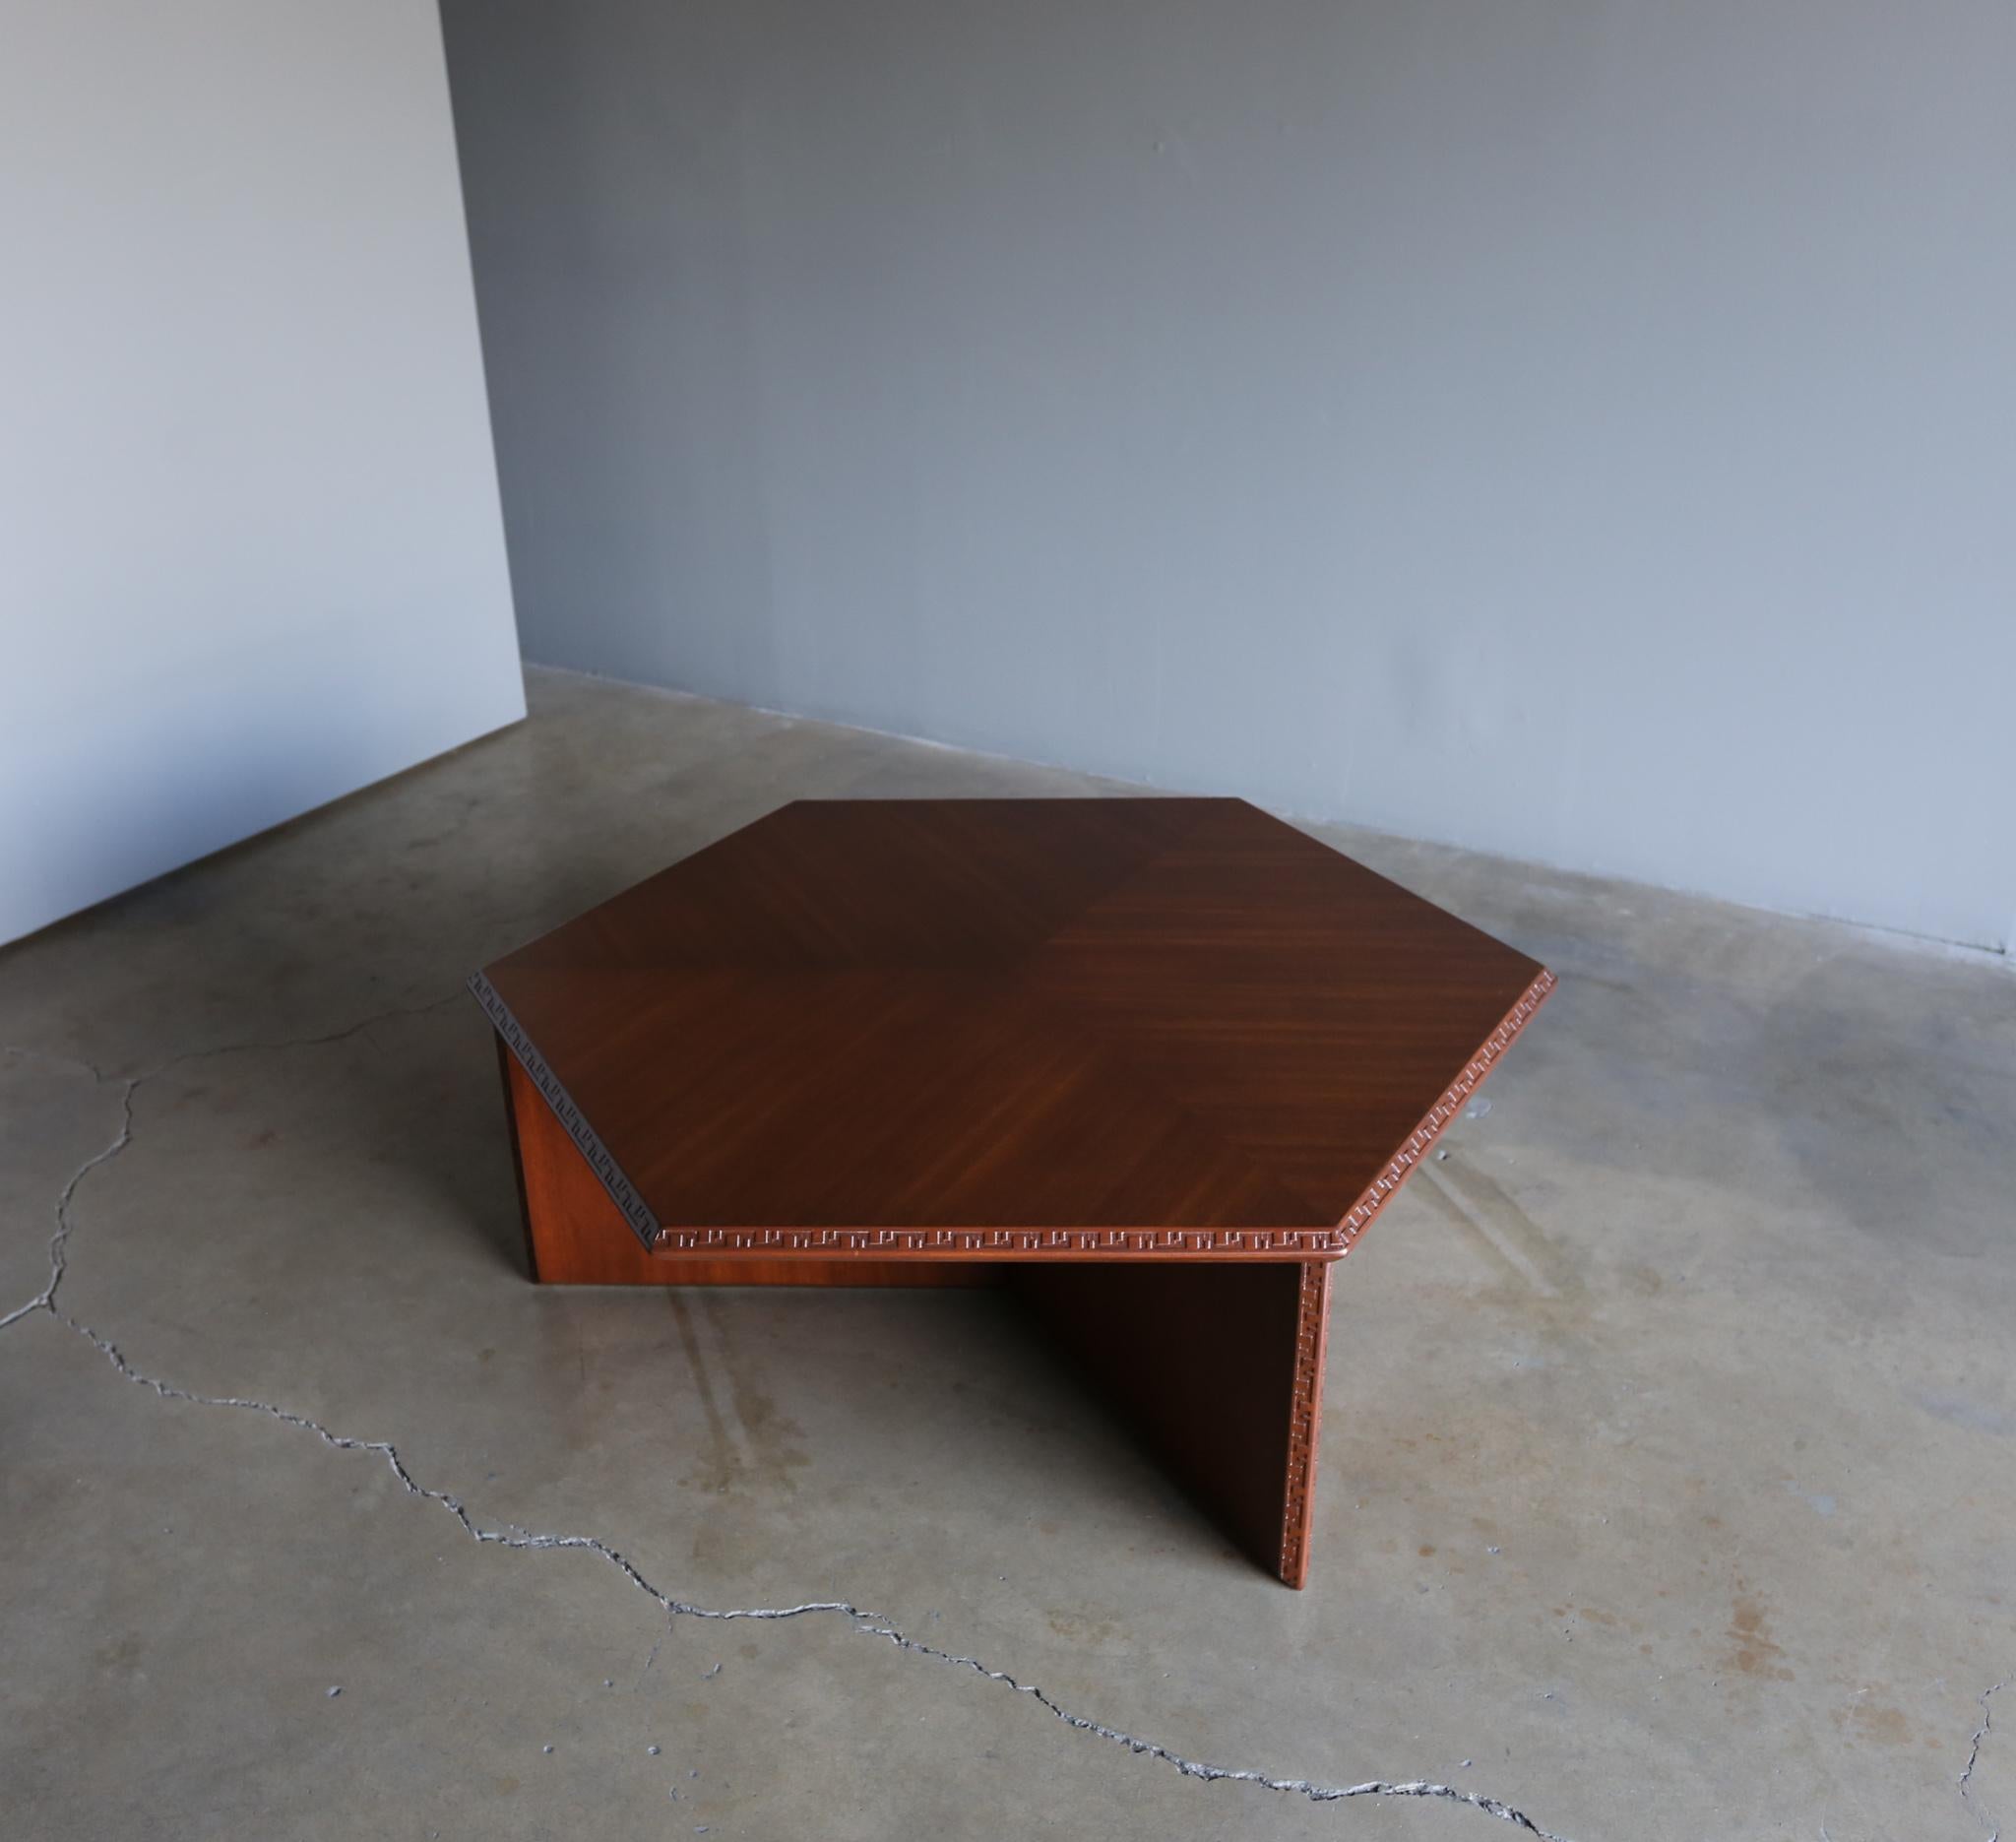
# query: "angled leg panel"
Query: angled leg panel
1219,1367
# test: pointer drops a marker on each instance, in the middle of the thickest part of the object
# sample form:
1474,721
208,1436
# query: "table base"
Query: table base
1216,1364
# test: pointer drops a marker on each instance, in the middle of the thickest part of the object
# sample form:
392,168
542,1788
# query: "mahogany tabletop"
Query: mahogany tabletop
1040,1028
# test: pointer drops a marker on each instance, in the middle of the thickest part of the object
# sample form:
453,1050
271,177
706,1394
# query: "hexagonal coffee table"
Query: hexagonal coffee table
1153,1062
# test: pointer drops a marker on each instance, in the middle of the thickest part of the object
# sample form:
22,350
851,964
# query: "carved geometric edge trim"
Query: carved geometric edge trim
1285,1243
1306,1413
1096,1242
1451,1104
621,1192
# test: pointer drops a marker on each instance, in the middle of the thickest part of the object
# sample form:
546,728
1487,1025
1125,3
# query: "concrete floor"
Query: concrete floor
1669,1474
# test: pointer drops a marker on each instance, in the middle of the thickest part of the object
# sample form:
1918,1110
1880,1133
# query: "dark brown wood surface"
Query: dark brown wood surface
1100,1027
575,1235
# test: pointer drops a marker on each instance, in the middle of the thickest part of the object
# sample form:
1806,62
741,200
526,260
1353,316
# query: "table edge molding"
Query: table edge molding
1304,1420
622,1192
1388,1182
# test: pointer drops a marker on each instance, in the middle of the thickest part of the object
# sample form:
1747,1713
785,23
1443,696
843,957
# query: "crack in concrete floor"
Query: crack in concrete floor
1980,1733
865,1622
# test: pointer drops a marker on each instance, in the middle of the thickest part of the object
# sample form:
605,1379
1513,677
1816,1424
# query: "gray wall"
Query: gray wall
251,555
1579,428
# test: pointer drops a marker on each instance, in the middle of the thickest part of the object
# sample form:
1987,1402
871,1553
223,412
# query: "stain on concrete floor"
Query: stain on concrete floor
1667,1475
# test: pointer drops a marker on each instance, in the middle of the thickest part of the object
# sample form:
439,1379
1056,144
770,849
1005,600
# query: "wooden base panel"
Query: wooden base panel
1219,1369
1218,1365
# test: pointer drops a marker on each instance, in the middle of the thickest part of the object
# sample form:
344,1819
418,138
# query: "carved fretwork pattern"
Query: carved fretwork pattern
1288,1243
1305,1410
621,1193
1440,1114
995,1242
